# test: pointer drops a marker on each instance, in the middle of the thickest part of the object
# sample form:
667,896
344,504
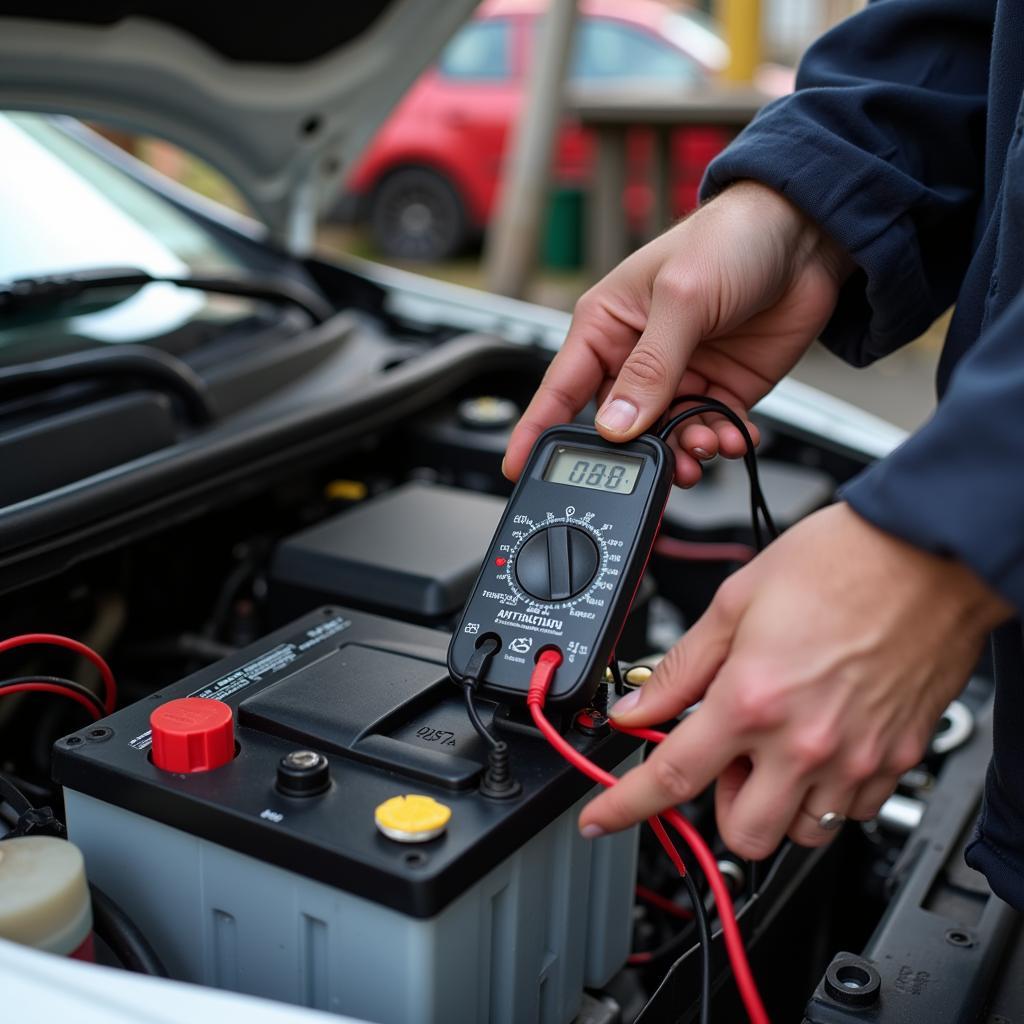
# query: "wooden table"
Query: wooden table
610,114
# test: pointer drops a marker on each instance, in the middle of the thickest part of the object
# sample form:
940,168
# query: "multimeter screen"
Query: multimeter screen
585,467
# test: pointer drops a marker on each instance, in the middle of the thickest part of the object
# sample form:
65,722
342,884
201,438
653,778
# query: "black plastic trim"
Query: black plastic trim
60,527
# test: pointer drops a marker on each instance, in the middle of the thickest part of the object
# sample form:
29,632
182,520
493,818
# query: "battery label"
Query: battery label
267,664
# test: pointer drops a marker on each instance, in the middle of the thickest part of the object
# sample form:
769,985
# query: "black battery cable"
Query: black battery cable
59,686
700,913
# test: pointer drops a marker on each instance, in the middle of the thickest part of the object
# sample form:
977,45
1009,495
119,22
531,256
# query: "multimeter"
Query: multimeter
565,562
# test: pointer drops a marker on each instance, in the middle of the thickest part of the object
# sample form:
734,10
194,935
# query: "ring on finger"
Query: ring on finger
830,821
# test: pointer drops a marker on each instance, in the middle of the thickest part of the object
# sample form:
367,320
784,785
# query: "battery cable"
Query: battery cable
57,686
56,640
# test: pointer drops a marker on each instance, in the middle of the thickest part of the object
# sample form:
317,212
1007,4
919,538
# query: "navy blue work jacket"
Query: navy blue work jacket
905,141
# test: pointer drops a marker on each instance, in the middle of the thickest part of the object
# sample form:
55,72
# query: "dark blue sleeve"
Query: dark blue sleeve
883,144
956,487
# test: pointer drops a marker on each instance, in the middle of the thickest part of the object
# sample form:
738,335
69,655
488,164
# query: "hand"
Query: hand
823,665
723,304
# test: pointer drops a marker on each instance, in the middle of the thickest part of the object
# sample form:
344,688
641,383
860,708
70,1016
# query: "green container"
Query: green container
563,233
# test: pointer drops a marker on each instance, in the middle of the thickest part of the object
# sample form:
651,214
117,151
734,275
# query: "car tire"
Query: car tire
416,214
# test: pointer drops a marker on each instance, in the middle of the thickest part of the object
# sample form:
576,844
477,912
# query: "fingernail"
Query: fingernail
618,415
702,453
591,831
625,704
504,467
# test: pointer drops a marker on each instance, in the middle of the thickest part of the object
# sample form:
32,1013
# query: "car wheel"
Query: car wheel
416,214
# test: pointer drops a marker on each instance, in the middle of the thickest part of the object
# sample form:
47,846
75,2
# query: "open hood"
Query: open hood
279,100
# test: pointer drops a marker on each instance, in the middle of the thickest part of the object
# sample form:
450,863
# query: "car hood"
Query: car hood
280,101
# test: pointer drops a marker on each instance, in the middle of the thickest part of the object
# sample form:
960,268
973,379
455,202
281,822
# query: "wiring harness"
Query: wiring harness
57,685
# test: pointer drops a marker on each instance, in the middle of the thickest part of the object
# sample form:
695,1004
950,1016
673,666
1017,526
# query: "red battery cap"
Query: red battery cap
193,734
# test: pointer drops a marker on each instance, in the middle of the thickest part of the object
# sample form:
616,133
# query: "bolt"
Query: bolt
303,773
302,760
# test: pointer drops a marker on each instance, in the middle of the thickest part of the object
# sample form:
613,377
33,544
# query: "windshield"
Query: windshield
63,207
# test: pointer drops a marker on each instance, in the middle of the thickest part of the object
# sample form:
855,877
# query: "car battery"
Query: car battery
259,858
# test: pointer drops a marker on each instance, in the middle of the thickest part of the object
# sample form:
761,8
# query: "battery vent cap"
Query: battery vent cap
412,818
193,734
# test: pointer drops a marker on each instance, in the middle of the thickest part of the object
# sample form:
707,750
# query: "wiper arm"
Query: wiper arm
30,293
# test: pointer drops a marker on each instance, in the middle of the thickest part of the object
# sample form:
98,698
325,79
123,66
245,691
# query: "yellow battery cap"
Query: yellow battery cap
412,818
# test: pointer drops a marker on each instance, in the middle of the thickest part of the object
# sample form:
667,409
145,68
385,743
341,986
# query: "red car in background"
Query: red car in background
428,183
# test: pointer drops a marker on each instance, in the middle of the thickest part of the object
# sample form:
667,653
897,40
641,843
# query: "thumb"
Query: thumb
650,376
686,671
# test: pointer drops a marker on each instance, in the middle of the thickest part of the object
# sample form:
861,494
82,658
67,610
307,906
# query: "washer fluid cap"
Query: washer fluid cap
44,895
412,818
193,734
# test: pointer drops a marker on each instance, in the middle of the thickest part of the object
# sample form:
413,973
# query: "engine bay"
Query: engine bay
311,582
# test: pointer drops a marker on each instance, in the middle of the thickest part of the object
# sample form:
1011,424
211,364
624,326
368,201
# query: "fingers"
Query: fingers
682,766
569,383
756,806
728,440
699,439
688,471
650,375
729,784
598,339
869,798
682,676
829,797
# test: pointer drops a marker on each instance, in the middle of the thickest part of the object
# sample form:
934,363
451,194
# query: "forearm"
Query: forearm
957,486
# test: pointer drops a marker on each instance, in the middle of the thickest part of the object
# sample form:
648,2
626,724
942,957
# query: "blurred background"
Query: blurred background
552,137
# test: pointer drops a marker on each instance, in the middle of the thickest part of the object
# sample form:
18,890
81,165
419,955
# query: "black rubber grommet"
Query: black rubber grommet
853,982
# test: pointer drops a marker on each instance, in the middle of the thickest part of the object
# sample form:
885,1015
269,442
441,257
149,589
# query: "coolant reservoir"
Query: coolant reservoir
44,896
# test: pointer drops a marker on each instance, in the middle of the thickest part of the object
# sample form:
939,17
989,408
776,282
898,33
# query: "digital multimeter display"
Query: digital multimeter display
598,470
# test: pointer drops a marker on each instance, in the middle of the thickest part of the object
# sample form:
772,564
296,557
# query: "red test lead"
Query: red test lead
541,678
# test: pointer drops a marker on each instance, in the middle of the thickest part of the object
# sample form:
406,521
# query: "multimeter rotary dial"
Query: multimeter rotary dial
556,563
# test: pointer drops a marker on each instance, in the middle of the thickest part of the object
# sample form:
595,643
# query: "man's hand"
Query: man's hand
723,304
823,666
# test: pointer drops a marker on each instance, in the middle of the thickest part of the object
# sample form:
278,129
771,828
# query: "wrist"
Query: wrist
802,236
978,606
